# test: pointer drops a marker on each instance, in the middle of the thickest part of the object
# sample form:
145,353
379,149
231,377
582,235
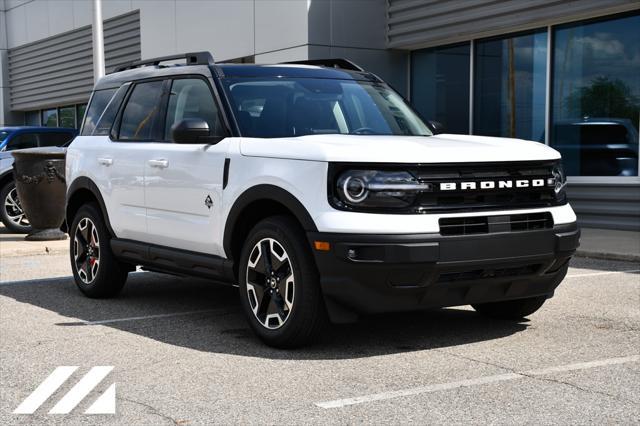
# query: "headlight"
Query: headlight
376,188
559,180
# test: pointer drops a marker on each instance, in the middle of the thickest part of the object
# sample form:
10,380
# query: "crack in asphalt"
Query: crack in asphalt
152,410
573,385
536,377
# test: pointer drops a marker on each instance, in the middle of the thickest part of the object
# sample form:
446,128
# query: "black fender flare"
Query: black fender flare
268,193
84,183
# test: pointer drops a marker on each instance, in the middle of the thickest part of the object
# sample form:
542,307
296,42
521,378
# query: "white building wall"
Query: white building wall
6,117
228,28
356,30
269,30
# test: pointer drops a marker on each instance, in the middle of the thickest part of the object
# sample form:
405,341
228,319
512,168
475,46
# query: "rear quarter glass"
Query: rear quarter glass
99,101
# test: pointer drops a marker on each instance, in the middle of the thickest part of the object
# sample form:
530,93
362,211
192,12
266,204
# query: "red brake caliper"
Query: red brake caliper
92,259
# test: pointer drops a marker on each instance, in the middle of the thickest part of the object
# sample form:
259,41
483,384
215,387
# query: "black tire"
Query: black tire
109,276
296,300
511,309
11,210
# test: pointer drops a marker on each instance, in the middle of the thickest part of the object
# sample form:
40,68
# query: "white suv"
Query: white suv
313,187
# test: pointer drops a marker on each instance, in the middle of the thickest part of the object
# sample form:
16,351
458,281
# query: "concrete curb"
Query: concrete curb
608,256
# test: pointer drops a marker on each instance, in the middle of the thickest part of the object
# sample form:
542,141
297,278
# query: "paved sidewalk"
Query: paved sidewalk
14,245
610,244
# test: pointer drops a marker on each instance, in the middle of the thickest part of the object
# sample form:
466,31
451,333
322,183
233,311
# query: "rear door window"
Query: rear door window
142,112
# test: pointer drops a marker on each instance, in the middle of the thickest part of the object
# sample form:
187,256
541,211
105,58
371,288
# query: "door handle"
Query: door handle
105,161
161,163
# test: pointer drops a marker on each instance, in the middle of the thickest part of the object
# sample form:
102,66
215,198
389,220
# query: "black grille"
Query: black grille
479,274
487,198
493,224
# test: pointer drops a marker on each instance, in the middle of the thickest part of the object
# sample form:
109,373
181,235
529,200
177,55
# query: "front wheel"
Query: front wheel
279,288
11,213
511,309
97,273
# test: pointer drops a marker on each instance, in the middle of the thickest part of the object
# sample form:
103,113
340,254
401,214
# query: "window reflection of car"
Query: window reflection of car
12,138
597,146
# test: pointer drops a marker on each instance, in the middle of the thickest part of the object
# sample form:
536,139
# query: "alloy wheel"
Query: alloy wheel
13,209
270,283
86,250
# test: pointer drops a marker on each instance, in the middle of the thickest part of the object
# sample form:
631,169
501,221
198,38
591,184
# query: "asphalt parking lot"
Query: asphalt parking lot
183,354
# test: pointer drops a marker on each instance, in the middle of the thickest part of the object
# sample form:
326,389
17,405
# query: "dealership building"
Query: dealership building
561,72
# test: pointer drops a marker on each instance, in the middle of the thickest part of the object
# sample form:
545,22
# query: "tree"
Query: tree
604,98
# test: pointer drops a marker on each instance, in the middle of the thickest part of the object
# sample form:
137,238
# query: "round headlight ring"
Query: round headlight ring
354,189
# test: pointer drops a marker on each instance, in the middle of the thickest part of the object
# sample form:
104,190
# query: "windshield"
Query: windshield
3,135
282,107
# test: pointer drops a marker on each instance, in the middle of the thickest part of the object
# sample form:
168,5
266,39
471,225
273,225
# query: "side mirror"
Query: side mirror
191,130
437,127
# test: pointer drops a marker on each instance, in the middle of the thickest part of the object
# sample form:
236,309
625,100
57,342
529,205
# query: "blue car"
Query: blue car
12,138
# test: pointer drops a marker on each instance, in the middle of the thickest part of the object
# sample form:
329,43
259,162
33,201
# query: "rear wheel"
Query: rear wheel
11,213
279,287
98,274
511,309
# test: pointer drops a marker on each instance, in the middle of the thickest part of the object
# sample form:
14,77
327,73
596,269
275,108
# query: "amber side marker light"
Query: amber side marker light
322,245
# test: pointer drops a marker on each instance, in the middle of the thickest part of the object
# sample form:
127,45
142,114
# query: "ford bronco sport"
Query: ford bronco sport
316,189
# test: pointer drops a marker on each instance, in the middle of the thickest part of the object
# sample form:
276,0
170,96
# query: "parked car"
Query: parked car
316,189
597,146
12,138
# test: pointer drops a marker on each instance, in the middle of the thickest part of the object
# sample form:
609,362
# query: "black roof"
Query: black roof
291,71
232,70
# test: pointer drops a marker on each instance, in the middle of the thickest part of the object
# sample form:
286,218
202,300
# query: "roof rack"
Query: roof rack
194,58
341,63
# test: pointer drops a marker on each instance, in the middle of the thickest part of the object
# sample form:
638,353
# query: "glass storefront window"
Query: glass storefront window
50,117
440,86
596,96
32,118
68,117
510,86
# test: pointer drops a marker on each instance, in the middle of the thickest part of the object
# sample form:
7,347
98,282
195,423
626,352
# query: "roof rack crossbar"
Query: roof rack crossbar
341,63
194,58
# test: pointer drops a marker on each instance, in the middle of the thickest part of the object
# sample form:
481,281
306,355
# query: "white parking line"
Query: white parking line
474,382
583,365
593,274
174,314
37,280
62,278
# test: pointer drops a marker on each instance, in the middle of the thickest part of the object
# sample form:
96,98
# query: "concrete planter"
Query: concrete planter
41,186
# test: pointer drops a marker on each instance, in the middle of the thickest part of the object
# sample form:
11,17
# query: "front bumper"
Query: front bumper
384,273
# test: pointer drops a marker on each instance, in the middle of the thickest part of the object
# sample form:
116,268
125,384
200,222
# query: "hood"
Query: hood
443,148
